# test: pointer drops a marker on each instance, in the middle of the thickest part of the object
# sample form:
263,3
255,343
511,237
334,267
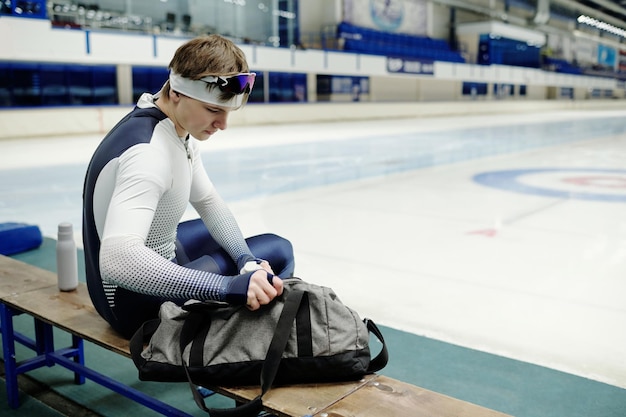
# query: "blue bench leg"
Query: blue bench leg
44,342
79,358
8,352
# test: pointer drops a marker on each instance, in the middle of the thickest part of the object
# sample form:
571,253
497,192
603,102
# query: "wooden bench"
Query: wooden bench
27,289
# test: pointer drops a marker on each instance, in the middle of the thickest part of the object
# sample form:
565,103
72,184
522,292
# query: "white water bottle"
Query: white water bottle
67,262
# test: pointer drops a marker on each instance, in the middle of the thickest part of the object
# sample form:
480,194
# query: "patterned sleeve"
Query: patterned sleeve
125,261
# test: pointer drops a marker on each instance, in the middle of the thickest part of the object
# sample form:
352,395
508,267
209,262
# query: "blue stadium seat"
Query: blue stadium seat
369,41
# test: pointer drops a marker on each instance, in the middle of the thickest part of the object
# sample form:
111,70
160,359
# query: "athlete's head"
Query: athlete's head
211,69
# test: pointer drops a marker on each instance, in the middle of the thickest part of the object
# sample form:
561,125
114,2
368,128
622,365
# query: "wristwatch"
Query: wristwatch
250,266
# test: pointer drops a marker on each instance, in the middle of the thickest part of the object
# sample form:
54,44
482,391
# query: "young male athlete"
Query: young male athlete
137,188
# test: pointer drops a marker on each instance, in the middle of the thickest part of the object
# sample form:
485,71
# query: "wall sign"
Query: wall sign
411,66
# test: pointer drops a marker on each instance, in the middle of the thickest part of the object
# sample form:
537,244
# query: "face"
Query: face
200,120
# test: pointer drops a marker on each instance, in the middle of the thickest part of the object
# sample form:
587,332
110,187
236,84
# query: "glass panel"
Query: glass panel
26,85
54,91
105,85
148,80
80,84
5,85
286,87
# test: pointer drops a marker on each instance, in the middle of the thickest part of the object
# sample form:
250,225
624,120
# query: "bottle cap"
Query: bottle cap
66,229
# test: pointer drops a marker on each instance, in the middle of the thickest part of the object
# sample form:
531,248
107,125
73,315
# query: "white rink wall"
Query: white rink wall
92,120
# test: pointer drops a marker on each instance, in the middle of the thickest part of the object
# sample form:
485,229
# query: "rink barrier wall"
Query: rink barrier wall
97,120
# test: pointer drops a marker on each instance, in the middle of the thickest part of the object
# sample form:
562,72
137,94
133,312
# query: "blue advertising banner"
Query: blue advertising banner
607,56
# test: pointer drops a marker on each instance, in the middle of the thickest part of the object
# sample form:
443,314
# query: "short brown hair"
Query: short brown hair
208,55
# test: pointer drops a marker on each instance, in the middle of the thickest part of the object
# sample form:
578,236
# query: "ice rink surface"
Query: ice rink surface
503,233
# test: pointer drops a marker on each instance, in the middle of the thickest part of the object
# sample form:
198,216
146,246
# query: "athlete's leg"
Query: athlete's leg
276,250
196,241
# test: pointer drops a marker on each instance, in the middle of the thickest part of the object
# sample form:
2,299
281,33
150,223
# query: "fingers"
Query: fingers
262,289
266,266
277,283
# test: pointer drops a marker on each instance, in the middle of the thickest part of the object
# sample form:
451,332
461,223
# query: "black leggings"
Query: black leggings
197,249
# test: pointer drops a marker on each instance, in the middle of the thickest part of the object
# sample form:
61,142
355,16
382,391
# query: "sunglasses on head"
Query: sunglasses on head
235,84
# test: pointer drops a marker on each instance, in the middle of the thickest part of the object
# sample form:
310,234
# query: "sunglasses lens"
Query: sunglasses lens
239,84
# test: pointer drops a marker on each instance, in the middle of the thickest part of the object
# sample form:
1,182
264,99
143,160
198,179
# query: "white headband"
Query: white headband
198,89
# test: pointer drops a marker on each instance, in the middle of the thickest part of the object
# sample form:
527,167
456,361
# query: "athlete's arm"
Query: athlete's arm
126,261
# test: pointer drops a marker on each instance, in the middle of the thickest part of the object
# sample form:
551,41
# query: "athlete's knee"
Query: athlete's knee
275,249
284,263
282,246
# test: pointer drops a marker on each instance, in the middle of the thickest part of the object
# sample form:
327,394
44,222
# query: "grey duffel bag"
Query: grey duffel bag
305,335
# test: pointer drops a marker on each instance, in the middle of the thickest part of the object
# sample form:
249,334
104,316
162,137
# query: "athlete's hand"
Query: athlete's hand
266,266
263,288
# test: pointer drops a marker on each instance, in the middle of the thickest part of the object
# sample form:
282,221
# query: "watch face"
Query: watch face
387,14
252,266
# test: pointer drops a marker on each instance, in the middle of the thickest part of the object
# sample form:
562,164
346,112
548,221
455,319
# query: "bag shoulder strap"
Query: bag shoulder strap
281,337
270,365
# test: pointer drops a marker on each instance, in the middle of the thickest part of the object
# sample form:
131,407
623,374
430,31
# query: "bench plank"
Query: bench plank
20,277
71,311
384,396
298,400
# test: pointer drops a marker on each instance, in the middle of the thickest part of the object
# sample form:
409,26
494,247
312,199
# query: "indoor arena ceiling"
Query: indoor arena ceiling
615,8
612,11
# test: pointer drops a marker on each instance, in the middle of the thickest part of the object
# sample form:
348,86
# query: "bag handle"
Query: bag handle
270,365
142,335
380,361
